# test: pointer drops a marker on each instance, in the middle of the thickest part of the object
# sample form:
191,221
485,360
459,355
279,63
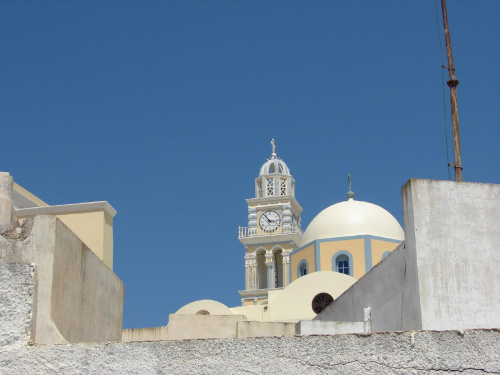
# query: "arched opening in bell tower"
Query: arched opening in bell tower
278,268
261,270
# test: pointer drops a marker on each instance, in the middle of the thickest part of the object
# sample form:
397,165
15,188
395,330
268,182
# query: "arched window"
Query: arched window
342,264
303,268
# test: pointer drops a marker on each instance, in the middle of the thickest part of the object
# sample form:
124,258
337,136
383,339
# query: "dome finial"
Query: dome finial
273,155
350,193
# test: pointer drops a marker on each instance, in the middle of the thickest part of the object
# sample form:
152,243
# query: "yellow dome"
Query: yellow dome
353,218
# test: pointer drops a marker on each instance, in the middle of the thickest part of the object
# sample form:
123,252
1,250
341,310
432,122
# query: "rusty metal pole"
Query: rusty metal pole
452,83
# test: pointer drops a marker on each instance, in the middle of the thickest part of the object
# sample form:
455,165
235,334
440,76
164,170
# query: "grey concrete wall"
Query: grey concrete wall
381,289
412,317
468,353
78,298
323,327
453,236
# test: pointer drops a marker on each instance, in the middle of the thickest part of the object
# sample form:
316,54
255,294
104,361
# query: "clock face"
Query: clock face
270,221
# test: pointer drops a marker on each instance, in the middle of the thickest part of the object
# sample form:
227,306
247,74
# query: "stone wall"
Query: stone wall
17,287
467,352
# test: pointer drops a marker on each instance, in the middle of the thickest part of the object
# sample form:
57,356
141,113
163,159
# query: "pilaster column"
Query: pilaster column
254,275
286,265
8,220
270,264
249,262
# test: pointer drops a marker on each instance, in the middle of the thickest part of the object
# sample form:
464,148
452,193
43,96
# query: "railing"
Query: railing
244,232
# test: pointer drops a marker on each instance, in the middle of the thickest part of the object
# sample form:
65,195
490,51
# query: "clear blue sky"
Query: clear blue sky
166,110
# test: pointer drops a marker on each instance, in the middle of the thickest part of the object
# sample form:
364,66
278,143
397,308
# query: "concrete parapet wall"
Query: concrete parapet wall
182,327
145,334
265,329
464,352
318,327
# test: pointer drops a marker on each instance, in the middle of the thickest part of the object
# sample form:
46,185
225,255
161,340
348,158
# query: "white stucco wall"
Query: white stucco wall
452,235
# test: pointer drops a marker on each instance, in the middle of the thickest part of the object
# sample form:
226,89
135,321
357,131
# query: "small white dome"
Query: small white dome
352,218
274,165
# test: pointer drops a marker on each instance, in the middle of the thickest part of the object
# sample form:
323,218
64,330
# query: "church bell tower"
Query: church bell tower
273,231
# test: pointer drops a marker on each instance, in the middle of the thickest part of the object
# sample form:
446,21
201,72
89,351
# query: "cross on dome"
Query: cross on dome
350,193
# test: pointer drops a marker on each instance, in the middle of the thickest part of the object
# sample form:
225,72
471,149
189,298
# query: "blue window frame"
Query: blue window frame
342,262
303,268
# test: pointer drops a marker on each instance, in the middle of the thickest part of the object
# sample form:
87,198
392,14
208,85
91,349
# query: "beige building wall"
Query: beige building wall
355,246
379,247
306,254
95,229
294,303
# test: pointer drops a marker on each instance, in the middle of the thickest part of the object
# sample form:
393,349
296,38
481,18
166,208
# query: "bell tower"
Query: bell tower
273,231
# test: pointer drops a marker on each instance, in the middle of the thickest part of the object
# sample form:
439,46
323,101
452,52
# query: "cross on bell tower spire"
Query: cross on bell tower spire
273,155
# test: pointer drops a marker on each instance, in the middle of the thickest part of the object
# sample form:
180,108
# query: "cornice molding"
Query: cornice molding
66,209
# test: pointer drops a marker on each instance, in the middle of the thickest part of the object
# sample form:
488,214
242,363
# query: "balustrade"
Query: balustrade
255,232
